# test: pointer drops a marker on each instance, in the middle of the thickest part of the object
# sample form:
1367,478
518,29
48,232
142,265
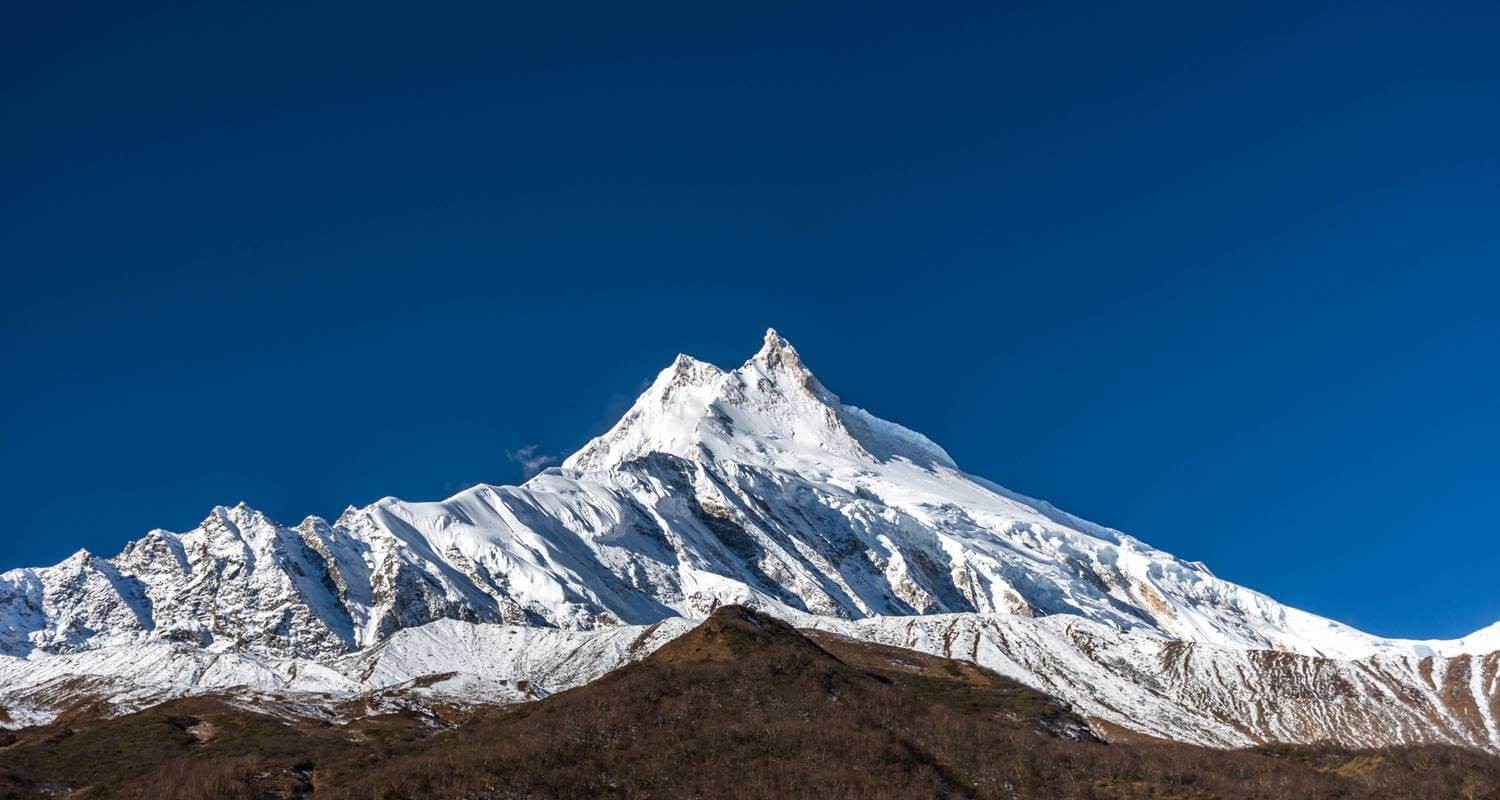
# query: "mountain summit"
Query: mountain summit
754,486
769,410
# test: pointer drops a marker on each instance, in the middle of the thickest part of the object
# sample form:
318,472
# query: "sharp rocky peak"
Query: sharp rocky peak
776,355
687,371
772,397
776,351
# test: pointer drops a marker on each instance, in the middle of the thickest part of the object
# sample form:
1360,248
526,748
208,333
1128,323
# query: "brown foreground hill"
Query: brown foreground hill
743,706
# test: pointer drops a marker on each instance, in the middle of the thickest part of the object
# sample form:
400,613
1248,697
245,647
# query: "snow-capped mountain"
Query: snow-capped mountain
756,486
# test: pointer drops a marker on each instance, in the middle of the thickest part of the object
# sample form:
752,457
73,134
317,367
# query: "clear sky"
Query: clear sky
1224,278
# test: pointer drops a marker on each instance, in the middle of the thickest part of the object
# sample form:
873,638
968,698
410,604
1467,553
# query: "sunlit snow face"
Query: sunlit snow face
754,486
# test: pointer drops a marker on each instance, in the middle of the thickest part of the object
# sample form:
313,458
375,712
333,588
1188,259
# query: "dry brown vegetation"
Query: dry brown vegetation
742,707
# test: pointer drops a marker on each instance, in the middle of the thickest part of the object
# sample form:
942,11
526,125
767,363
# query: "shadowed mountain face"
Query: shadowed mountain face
742,706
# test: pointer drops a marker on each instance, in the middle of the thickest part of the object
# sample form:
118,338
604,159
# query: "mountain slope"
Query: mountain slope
1214,695
444,662
757,486
761,710
742,705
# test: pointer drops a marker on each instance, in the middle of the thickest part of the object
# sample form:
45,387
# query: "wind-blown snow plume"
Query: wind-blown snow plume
530,460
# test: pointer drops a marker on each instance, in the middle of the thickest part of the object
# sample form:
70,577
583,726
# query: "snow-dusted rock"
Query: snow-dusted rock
1211,694
759,486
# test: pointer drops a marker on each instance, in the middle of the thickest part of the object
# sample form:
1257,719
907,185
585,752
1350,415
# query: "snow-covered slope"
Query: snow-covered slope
755,485
446,660
1214,695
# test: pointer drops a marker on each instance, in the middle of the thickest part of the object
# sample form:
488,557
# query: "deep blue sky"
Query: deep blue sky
1225,279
